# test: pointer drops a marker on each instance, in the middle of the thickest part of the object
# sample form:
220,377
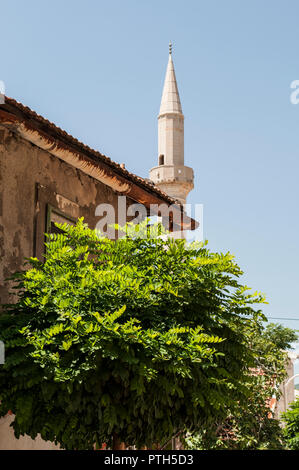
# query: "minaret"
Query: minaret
171,175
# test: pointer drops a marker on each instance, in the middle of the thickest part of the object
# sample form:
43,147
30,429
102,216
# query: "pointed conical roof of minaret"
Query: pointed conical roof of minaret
170,102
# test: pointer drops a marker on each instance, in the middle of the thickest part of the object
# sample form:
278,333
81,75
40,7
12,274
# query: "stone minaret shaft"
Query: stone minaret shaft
171,175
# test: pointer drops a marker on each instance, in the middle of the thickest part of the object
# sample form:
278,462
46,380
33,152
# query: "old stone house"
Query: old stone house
46,175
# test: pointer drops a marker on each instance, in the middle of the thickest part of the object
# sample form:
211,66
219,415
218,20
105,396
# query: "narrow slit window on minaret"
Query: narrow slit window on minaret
161,159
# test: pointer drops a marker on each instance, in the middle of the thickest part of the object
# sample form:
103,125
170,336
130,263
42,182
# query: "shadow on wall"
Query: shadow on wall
9,442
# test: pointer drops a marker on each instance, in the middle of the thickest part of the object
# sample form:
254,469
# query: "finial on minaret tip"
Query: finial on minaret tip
170,47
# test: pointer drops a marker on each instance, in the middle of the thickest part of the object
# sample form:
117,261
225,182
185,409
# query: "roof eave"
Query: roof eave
48,137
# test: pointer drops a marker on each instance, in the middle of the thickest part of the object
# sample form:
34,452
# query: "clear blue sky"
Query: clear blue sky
96,68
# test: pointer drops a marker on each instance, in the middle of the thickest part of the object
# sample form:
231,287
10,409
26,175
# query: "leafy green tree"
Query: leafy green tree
251,425
279,336
291,430
138,339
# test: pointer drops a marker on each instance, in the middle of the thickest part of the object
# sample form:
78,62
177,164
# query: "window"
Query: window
161,160
50,207
56,216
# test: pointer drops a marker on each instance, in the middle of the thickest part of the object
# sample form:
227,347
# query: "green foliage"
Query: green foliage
280,336
139,338
251,425
291,430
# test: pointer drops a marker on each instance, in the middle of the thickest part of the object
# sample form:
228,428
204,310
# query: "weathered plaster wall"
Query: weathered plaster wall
288,392
9,442
31,178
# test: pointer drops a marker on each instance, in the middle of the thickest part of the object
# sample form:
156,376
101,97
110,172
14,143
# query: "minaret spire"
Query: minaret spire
170,102
171,174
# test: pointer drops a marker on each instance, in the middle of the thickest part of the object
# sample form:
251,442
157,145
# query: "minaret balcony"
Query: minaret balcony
171,173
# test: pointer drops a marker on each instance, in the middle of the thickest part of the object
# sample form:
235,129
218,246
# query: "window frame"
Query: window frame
50,209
